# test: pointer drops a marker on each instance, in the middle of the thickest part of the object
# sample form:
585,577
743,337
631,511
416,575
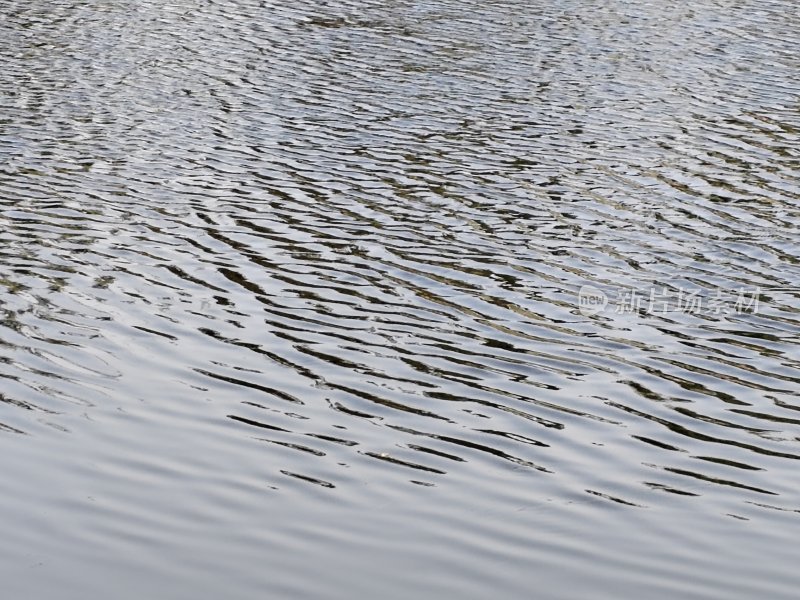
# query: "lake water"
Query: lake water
401,299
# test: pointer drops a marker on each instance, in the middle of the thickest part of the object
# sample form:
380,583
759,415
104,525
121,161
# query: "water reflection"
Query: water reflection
287,280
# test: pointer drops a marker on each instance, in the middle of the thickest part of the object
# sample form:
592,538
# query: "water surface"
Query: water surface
294,299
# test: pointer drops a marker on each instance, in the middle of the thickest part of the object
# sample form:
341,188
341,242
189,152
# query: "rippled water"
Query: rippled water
296,299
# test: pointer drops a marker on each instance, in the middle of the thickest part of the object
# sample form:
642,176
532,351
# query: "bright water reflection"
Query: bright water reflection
290,299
